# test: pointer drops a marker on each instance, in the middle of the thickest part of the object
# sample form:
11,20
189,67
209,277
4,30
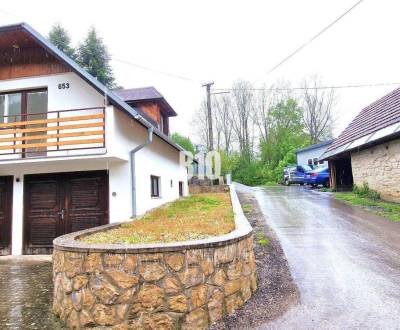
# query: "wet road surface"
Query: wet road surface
344,260
26,293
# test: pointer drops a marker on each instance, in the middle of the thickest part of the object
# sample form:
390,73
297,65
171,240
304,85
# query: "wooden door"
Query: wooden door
43,199
6,184
86,201
59,204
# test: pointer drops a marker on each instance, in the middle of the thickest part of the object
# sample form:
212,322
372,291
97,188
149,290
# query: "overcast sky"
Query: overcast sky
225,40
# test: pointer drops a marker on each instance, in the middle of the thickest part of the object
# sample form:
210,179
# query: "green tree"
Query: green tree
286,132
286,135
93,56
60,38
184,142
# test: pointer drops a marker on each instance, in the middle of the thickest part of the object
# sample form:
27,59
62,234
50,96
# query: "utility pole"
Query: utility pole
209,115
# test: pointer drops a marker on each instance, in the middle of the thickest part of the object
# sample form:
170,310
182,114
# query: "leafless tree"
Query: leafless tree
223,121
318,107
200,123
264,100
242,98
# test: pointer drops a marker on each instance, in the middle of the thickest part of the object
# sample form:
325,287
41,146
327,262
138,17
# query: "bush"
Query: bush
366,192
248,171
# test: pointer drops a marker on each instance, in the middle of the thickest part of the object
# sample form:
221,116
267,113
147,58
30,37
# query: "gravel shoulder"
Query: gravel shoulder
276,291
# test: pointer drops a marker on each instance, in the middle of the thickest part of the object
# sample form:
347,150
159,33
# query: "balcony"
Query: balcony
52,134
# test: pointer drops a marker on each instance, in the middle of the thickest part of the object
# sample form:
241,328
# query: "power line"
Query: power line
314,37
309,88
142,67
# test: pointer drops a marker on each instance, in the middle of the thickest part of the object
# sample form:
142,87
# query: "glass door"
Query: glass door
36,109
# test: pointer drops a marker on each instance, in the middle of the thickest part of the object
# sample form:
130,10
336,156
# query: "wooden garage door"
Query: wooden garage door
5,214
58,204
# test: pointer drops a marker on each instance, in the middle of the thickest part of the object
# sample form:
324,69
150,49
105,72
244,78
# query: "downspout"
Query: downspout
133,168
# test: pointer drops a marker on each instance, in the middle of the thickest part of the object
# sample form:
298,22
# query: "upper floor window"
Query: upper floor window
10,107
161,123
25,105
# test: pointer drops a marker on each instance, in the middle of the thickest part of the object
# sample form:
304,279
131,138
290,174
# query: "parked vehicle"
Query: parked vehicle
318,176
295,174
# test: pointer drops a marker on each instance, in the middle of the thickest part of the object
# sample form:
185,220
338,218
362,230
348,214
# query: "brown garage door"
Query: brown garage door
57,204
5,214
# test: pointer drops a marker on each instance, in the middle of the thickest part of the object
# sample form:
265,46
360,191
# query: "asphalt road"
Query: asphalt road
344,260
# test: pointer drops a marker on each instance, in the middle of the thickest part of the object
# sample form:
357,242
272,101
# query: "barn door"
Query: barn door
59,204
5,214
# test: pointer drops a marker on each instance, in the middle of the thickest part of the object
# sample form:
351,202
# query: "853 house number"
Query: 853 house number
63,86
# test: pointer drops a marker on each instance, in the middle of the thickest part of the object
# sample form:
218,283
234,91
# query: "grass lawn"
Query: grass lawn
197,217
388,210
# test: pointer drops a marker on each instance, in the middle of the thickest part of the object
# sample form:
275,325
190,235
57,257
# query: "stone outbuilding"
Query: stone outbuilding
368,150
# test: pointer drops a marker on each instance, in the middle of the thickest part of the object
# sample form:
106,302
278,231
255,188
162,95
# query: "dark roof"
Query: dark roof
380,114
135,95
111,96
315,146
138,94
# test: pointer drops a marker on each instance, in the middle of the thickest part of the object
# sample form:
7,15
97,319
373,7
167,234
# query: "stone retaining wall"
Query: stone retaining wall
379,166
174,286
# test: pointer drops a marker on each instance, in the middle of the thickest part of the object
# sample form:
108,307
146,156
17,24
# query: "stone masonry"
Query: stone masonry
186,289
379,166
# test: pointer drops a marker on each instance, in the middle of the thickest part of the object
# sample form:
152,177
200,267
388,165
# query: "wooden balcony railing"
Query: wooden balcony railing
35,135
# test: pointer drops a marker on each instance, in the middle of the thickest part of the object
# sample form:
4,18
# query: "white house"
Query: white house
74,154
311,155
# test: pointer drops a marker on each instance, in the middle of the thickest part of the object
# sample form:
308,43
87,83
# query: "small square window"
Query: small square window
155,186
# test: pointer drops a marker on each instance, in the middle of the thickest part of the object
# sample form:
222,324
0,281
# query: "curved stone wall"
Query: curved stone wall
186,285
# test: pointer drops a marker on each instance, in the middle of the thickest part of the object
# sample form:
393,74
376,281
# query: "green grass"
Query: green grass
261,239
197,217
247,208
387,210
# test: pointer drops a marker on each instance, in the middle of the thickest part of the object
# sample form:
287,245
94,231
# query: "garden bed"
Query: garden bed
193,218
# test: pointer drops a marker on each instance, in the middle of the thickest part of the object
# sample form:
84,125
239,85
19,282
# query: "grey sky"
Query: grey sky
225,40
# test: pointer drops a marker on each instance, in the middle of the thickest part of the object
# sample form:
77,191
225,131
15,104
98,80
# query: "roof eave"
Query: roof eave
112,97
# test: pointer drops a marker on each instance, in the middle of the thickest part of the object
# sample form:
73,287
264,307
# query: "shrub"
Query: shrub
366,192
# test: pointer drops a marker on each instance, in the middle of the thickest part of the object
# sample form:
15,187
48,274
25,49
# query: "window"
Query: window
10,107
315,161
310,162
155,186
172,183
161,126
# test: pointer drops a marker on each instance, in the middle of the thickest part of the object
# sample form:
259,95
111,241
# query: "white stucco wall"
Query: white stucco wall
157,158
123,133
304,156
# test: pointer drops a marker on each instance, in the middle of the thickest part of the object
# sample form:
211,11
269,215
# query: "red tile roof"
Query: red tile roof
380,114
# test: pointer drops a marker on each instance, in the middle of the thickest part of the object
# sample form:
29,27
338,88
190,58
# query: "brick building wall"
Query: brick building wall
379,166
